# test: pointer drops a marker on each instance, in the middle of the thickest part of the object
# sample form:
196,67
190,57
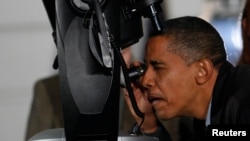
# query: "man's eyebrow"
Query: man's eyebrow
154,62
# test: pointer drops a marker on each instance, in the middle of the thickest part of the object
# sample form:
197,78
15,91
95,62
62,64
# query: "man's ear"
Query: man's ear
205,70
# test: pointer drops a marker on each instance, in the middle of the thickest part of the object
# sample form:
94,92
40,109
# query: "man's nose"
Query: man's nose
147,79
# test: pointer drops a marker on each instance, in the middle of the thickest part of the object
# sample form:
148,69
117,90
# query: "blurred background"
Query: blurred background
27,50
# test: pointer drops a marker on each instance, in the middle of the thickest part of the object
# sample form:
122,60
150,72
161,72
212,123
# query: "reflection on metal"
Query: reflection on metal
225,16
230,30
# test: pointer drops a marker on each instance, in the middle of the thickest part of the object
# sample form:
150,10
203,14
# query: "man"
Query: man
245,28
188,75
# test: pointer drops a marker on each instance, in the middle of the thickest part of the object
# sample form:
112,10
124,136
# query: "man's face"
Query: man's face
169,82
246,25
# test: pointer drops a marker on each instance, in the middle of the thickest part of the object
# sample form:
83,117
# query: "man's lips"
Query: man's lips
151,99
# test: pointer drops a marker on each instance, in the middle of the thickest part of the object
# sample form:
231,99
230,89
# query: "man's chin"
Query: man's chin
163,116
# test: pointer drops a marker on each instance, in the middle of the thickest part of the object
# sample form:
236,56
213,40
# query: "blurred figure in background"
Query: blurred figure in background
46,108
245,27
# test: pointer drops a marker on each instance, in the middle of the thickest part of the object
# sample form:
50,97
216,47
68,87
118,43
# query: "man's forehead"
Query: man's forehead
159,43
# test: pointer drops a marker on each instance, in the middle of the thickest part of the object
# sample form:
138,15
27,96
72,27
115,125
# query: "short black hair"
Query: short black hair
193,39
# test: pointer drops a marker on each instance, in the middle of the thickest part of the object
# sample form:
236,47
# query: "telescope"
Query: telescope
89,35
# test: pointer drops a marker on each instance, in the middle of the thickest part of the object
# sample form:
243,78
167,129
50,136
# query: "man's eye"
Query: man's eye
157,67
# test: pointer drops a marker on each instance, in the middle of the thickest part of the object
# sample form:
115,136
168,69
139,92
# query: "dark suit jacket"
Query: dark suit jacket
230,100
231,97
